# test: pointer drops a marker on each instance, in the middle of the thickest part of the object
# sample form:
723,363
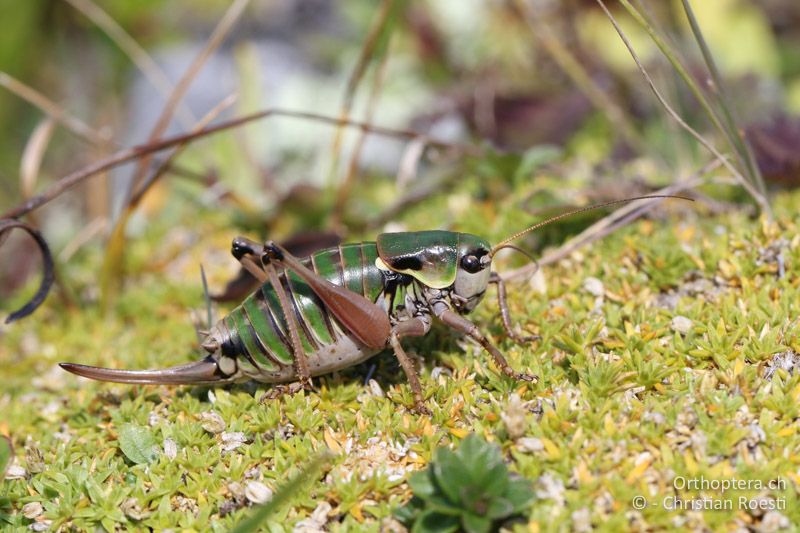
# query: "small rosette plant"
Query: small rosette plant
469,489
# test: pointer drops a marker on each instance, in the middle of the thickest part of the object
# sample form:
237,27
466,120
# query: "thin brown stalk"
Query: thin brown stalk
138,55
728,112
570,65
222,29
165,164
646,21
409,163
50,108
670,51
368,51
30,163
113,262
96,227
136,152
343,192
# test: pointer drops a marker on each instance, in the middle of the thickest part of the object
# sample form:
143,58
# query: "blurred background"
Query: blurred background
522,105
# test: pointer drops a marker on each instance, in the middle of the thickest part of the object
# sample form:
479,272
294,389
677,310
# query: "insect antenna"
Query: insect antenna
505,242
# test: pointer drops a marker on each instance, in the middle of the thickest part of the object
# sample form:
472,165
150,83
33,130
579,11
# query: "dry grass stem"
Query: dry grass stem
138,55
52,109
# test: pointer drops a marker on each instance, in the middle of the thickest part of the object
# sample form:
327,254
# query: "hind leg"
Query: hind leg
250,255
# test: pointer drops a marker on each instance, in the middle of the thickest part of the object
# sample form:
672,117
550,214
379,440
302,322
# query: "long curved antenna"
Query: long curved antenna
504,242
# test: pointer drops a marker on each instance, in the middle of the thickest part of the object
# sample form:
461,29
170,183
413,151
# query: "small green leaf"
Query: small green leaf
421,484
6,451
519,494
450,474
471,486
491,478
499,508
475,451
433,522
474,523
439,503
93,490
484,463
137,443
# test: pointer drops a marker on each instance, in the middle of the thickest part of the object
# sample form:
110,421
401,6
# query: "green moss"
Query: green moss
624,404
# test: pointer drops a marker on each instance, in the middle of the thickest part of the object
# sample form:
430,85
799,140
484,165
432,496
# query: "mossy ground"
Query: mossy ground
629,400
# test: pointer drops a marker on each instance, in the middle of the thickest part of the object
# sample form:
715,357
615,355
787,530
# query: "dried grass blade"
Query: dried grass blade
374,45
608,224
50,108
138,55
222,29
115,250
738,140
32,156
744,182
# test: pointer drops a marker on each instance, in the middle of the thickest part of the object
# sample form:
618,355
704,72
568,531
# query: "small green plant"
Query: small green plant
467,490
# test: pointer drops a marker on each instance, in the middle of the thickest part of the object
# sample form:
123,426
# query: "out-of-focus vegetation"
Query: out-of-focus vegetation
668,349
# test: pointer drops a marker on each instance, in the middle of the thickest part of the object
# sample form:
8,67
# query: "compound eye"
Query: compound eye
471,264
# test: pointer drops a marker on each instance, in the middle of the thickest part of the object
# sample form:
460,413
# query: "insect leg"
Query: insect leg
300,357
410,328
504,313
242,246
248,253
458,322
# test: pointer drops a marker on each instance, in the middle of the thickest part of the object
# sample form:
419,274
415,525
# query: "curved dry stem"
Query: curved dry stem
572,67
343,192
48,268
164,166
738,140
372,45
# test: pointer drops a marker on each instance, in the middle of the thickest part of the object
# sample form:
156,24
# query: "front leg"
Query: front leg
414,327
458,322
504,313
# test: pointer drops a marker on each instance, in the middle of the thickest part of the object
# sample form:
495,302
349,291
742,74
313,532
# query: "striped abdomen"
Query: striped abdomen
255,333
